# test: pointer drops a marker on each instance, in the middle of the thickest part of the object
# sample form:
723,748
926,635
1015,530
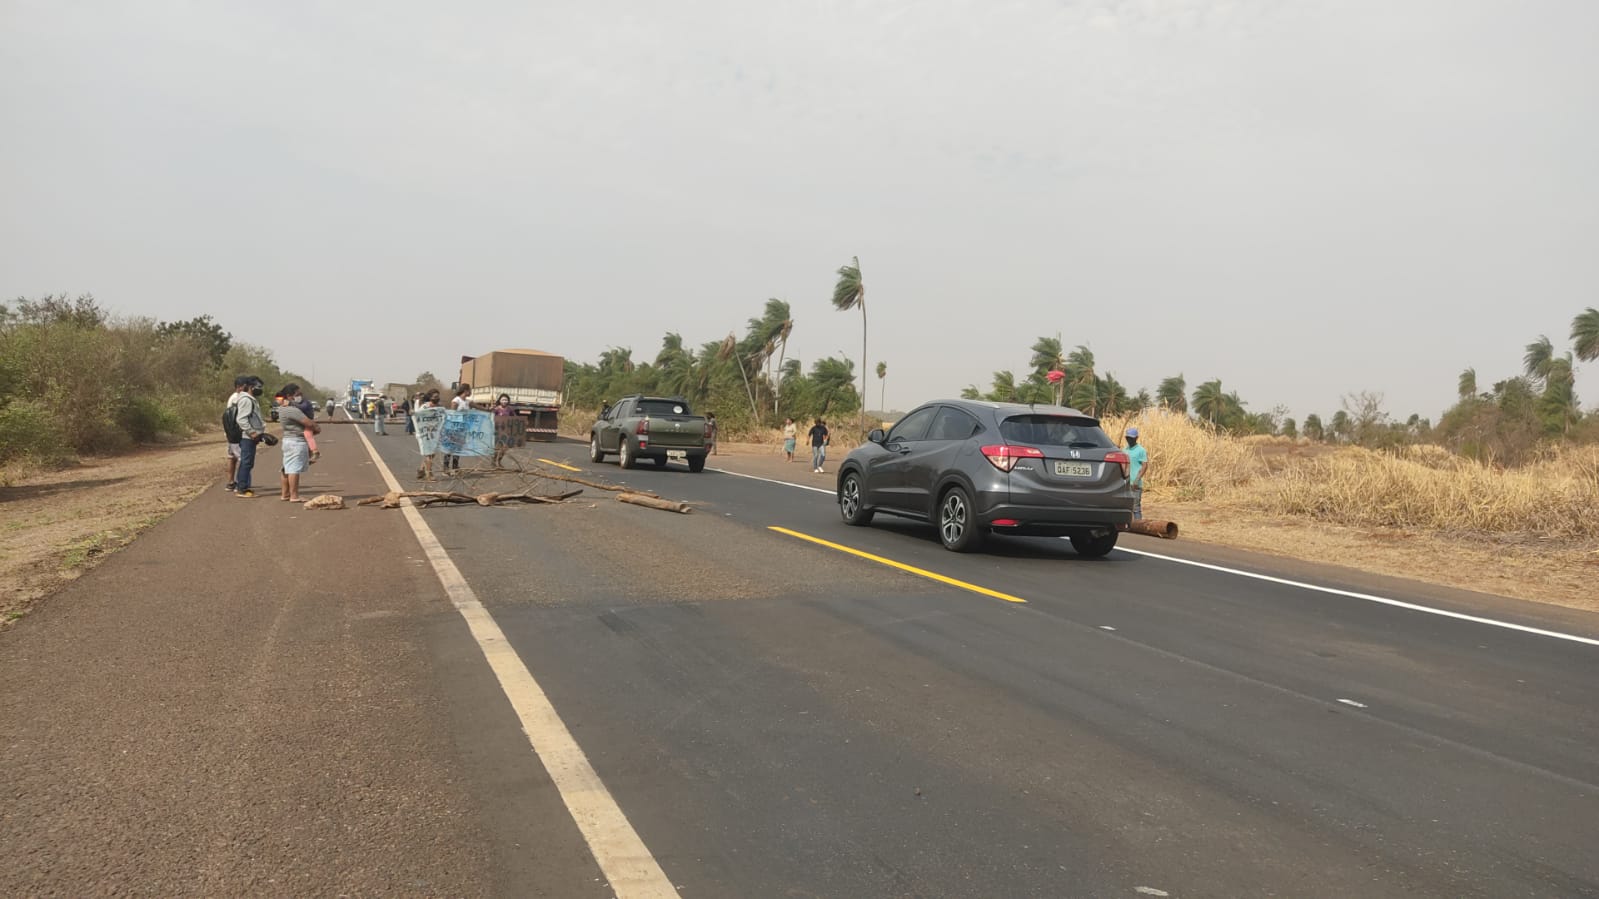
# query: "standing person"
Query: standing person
710,430
424,469
230,427
296,449
308,409
461,403
790,437
405,412
819,439
247,414
329,410
502,439
1137,465
380,412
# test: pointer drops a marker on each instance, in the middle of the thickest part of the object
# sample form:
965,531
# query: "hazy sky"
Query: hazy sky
1301,198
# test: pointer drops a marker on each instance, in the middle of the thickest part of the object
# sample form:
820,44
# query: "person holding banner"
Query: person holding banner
427,419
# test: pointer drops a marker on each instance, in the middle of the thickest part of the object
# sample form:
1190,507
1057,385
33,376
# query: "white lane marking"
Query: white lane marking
737,474
1367,597
1358,705
1106,627
1383,600
1150,891
627,864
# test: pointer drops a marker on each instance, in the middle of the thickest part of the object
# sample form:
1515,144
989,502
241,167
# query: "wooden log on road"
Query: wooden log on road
425,498
654,502
1150,527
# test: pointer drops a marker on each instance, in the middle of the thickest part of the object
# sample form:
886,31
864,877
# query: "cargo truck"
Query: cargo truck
352,397
531,378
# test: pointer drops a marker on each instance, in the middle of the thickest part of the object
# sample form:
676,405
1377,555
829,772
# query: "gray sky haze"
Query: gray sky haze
1301,198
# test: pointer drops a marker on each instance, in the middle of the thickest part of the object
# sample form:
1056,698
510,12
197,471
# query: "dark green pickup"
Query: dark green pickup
659,428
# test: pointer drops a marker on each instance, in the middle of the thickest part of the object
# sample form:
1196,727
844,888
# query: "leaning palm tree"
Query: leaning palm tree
1172,393
1540,354
1210,401
729,350
882,384
850,293
1585,335
1467,387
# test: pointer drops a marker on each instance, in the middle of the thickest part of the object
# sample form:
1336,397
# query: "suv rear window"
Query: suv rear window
1055,430
662,407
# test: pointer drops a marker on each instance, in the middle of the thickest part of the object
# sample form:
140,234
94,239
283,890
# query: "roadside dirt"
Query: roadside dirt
59,524
1560,573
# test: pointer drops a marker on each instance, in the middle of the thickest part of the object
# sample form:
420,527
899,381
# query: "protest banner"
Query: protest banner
467,433
429,424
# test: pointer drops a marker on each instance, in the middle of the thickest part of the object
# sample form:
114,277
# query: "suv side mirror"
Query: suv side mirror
876,436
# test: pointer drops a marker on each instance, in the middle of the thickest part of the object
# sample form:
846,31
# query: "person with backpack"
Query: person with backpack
230,427
247,417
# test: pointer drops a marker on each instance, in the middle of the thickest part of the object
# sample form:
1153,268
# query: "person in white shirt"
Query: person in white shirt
461,403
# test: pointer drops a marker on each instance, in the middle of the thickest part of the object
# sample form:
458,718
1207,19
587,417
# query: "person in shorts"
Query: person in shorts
790,438
296,451
230,427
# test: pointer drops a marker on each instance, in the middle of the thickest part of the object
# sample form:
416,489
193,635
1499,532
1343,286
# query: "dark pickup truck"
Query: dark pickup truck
657,428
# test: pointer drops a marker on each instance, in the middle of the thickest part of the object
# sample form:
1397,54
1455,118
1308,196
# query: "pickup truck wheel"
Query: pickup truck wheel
595,453
624,455
1094,547
696,464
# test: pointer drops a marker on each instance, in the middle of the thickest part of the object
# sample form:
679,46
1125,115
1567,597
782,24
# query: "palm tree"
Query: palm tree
1313,428
1004,388
1047,357
676,365
1558,406
729,350
831,377
970,392
1111,396
1081,385
850,293
1467,386
1342,427
770,333
882,382
1172,393
1540,354
1585,335
1210,401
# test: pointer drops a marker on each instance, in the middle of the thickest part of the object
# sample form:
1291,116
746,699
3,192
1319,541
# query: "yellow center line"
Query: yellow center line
942,579
559,464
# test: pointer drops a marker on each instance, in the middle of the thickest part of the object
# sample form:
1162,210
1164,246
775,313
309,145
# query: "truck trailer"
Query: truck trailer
531,378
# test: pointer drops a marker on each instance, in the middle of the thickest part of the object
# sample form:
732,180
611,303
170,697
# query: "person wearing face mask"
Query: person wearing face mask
247,414
1137,465
503,439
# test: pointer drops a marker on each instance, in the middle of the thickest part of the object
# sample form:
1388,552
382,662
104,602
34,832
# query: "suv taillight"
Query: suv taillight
1005,456
1120,458
643,432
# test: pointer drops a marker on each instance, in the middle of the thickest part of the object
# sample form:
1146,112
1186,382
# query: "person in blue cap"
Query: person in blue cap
1138,463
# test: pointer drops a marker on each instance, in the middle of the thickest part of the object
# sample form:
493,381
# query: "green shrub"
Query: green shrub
30,430
147,418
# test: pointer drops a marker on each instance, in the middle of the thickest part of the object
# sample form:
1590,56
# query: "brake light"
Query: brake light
1005,457
1120,458
643,432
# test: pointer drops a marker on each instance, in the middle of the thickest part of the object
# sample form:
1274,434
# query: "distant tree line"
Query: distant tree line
73,379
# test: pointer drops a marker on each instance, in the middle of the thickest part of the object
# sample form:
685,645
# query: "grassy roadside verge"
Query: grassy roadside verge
59,524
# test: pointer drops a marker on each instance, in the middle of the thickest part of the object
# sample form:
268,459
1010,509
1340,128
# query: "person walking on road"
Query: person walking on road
1137,466
379,413
296,449
424,470
710,430
820,437
790,437
329,410
405,411
247,414
504,437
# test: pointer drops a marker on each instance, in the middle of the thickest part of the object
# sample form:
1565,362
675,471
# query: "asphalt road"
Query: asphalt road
777,717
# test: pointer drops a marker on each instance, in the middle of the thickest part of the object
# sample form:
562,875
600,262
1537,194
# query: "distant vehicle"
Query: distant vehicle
657,428
975,468
352,396
531,378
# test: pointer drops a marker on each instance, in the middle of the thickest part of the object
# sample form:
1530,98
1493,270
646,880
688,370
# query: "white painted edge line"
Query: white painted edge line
1358,705
1383,600
626,863
1367,597
752,477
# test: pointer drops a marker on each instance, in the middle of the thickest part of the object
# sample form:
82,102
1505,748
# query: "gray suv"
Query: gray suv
974,468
